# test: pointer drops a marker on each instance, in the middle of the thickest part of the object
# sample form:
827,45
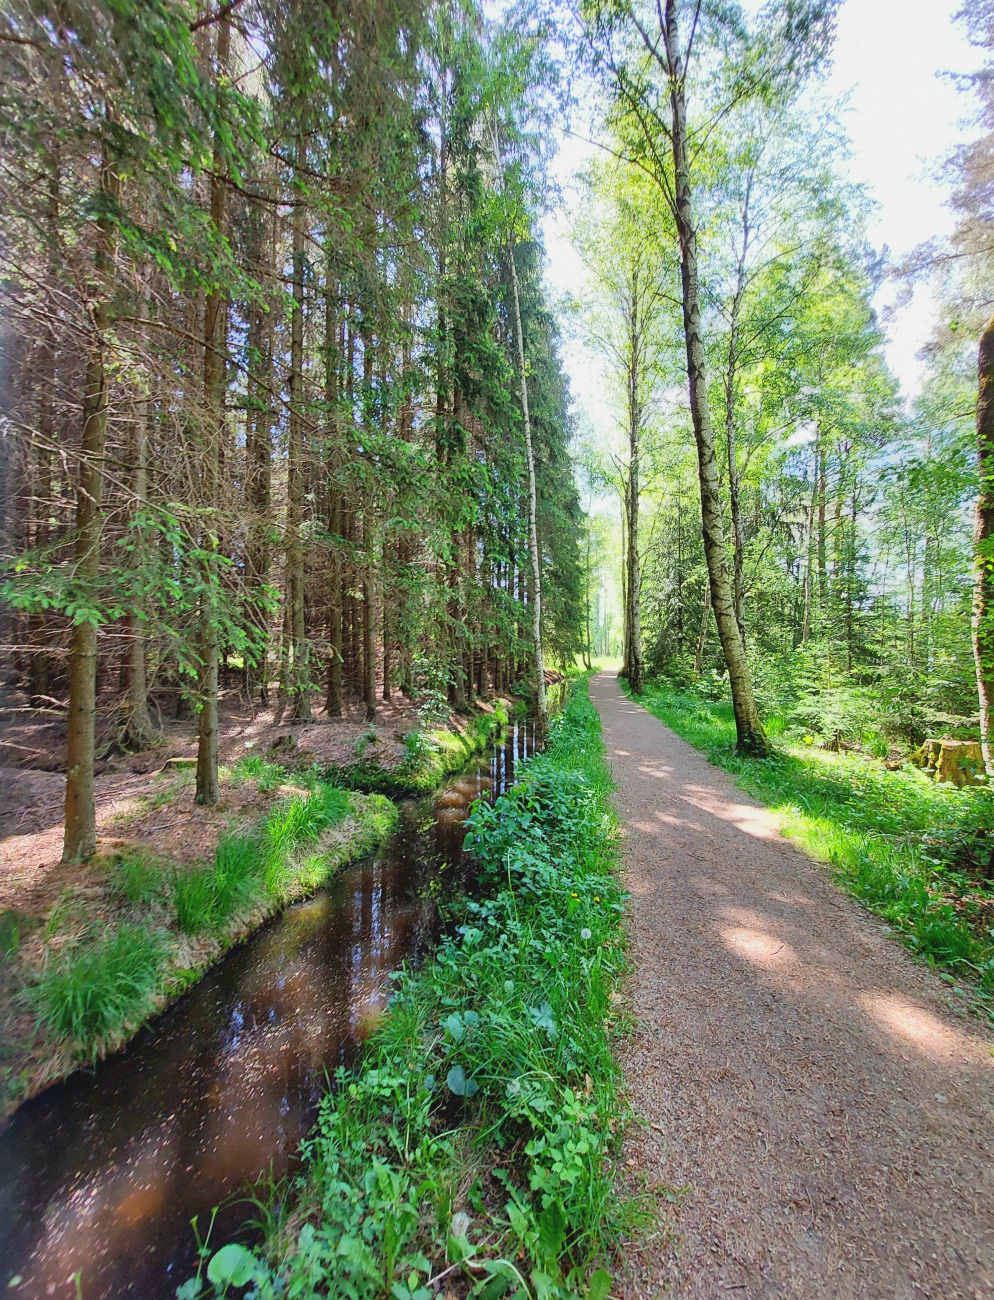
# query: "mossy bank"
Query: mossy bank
140,929
432,753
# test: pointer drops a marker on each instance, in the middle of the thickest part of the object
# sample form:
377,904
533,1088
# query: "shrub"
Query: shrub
90,993
253,767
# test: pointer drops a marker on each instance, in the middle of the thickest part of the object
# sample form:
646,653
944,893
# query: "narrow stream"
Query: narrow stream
102,1174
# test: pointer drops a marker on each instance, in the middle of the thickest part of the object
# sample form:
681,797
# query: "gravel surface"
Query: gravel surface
820,1113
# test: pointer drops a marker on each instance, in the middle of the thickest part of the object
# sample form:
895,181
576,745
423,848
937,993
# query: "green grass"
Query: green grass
915,852
95,990
206,898
478,1133
253,767
136,878
431,756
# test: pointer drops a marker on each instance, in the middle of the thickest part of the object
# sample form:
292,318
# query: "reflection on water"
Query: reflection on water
102,1174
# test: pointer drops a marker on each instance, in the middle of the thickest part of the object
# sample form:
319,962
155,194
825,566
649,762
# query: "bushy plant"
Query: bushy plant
295,822
253,767
95,989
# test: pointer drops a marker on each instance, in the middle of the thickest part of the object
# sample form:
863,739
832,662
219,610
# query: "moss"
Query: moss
432,756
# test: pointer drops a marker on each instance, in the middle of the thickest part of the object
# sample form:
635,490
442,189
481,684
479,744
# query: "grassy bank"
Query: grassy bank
432,754
115,952
919,854
475,1142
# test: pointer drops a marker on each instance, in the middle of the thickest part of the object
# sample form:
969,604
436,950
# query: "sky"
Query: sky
903,117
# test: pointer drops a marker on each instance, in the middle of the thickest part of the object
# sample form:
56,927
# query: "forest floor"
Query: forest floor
146,814
817,1106
32,783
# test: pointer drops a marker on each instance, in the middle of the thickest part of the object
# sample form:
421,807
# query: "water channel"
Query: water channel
101,1175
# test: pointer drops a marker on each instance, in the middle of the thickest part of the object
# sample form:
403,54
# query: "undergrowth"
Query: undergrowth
114,974
475,1141
917,853
431,754
91,991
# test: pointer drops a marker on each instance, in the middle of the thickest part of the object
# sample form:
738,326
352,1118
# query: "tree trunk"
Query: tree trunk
536,612
333,700
215,380
300,677
633,585
809,565
80,840
702,634
738,528
258,482
138,728
983,546
749,730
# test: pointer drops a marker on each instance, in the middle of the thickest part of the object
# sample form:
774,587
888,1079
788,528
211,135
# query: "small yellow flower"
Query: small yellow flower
809,740
574,895
597,900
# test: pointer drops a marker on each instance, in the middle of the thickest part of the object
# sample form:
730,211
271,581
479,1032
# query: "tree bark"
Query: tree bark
749,730
80,840
738,528
258,480
300,676
215,381
983,546
333,698
702,634
536,559
138,727
633,586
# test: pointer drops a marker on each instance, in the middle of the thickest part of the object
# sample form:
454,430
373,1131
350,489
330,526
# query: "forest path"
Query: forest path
831,1119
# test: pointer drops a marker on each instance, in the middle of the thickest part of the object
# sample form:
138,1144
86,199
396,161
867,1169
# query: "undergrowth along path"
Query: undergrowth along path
825,1114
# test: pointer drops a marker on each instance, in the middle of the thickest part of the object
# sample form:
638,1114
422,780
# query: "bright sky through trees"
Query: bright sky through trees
890,59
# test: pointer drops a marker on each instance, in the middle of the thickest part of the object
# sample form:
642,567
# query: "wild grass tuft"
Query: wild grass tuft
253,767
206,898
295,823
136,878
94,990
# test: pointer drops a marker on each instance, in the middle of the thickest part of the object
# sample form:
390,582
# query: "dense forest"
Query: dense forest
272,289
836,540
318,583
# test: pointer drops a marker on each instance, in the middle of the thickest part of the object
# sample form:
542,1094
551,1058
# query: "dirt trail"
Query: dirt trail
831,1118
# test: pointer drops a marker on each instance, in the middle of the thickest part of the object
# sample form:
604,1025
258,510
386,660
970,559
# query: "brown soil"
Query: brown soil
820,1113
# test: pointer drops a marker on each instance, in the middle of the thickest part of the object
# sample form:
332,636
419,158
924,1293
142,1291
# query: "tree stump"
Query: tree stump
952,762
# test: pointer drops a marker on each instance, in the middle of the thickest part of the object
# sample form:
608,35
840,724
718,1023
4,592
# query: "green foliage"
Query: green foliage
253,767
918,853
495,1056
205,898
137,878
431,755
294,823
96,989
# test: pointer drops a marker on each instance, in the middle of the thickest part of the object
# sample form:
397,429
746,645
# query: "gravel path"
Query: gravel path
827,1116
